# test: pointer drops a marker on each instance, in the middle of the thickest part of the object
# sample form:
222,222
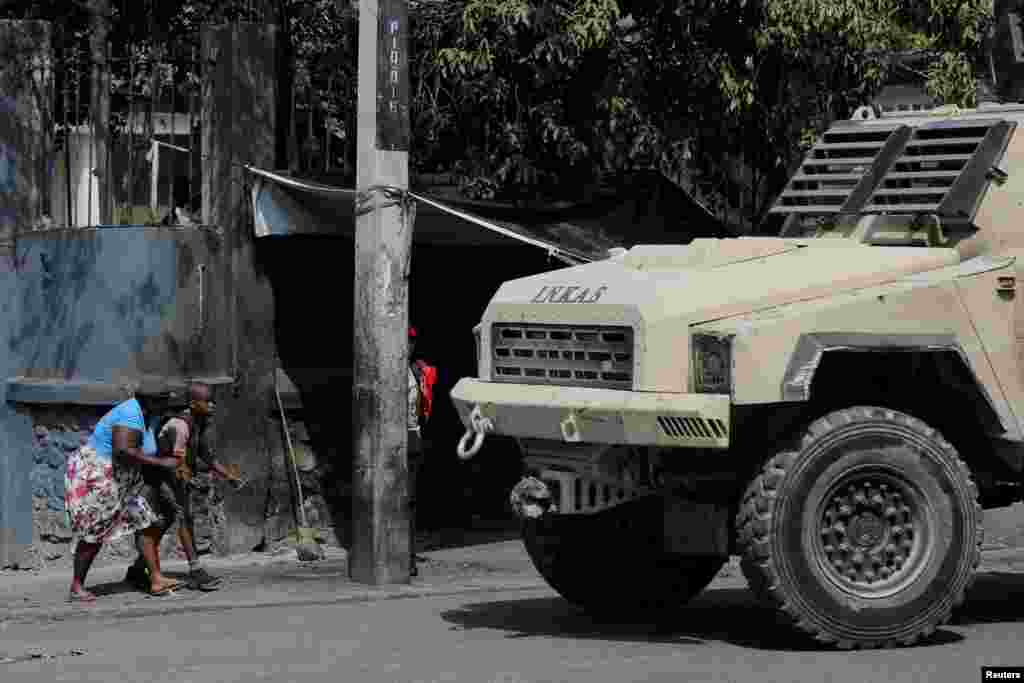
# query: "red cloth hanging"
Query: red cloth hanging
428,378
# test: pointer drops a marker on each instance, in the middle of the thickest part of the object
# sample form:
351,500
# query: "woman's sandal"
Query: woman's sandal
167,589
86,598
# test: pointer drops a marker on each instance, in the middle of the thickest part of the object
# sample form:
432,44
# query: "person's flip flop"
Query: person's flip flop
166,590
88,600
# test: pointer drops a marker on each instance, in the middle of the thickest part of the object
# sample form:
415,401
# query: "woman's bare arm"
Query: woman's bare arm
128,444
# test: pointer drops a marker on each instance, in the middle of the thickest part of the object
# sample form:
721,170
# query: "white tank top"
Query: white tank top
414,402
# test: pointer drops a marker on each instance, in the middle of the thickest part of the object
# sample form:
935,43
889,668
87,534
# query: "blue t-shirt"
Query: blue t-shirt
126,414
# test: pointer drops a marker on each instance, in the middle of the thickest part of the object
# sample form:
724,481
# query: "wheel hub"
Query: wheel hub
869,532
867,529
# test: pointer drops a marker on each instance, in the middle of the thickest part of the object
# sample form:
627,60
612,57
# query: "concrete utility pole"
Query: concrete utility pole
383,243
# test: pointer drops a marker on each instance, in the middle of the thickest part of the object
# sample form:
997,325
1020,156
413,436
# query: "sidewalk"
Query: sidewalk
266,580
278,579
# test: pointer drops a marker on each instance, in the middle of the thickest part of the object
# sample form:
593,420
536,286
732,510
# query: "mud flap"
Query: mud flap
695,528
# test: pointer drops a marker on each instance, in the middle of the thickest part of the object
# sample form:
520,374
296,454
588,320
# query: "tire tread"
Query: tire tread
755,516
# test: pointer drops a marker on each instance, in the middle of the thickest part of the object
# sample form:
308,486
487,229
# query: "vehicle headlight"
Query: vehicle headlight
712,363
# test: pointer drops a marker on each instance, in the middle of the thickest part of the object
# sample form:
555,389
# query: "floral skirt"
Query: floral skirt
104,502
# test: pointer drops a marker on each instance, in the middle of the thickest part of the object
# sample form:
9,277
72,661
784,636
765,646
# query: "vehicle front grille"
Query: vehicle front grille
564,355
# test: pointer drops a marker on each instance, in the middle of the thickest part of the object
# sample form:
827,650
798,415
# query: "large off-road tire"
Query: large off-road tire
612,563
866,533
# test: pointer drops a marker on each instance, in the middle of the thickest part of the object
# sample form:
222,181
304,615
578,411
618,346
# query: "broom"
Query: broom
306,546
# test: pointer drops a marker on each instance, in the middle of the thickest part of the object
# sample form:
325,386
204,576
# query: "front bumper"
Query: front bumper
610,416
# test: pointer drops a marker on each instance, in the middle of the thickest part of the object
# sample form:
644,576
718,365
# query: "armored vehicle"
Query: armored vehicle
836,405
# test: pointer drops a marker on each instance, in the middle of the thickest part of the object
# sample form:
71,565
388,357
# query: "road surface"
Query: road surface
504,637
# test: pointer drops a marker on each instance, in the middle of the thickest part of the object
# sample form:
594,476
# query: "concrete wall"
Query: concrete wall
23,118
16,460
100,307
239,107
84,312
90,310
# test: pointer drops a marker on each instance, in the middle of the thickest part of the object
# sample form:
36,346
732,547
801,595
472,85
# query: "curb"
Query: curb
35,616
350,593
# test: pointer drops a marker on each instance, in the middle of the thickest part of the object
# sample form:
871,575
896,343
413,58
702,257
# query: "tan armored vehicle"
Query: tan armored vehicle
836,405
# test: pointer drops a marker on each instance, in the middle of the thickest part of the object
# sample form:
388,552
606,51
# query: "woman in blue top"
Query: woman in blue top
105,493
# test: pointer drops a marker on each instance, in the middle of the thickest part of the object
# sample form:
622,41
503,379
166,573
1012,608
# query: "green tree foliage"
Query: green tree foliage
725,94
534,98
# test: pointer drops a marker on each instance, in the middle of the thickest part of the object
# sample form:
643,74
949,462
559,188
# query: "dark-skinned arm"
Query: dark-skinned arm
206,453
128,445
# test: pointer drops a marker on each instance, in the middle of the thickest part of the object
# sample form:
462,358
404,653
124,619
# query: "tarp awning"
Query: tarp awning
283,205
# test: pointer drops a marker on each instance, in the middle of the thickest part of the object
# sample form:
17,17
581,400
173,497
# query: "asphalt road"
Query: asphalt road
507,637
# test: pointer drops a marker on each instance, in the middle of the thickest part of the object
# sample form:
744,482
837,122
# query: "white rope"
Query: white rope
567,258
298,184
161,143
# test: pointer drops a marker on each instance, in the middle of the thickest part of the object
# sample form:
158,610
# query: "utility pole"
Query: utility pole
383,243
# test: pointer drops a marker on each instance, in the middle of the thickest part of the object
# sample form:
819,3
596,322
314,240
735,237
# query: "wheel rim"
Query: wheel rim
873,532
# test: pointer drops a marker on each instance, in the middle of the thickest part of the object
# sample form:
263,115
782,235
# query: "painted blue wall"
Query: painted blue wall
83,313
90,301
111,305
16,459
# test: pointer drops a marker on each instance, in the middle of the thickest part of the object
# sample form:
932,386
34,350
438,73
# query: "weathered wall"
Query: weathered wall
24,115
54,441
89,310
15,439
239,125
100,307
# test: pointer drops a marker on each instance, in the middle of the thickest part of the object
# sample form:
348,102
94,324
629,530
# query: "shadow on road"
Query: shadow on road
112,588
120,587
722,615
994,597
556,617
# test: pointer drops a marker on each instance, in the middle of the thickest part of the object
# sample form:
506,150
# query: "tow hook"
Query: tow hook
479,427
531,498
